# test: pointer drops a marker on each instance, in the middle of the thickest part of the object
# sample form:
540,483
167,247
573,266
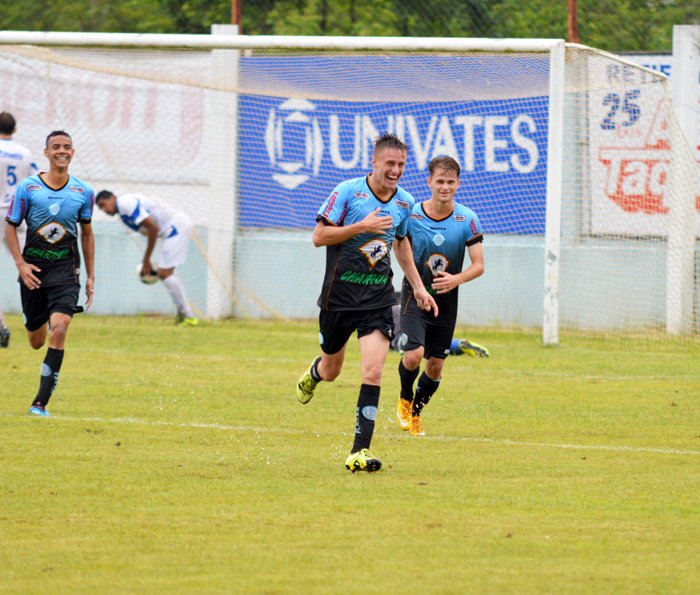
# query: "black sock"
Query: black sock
425,389
314,370
408,378
49,376
366,413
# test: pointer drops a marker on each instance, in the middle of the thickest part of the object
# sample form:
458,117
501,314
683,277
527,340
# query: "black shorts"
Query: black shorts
336,327
417,331
38,304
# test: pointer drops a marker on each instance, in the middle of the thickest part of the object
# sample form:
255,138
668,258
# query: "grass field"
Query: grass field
179,461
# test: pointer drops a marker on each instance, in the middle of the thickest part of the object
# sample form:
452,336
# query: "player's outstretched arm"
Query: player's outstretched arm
330,235
87,241
445,282
404,255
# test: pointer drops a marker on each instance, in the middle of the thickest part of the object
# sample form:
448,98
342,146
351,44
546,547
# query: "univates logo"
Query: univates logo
294,113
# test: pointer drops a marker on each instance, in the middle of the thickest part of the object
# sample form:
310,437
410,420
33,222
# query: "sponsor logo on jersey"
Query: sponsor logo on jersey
459,218
438,228
48,254
402,203
374,251
329,206
77,189
437,264
54,198
416,216
53,232
364,278
34,187
473,227
361,195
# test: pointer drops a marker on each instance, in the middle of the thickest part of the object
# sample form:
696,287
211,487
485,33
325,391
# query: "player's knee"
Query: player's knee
433,368
372,374
330,372
58,333
412,359
37,342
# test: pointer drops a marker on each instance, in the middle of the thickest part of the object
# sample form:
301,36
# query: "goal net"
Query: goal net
571,158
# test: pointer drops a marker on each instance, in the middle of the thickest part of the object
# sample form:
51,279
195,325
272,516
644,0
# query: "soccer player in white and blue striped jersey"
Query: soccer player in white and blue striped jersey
441,231
16,163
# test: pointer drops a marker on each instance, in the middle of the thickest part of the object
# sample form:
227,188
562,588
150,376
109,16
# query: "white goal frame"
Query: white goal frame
557,58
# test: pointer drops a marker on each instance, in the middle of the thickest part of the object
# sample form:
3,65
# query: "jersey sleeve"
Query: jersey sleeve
474,235
85,215
132,209
402,228
17,210
335,207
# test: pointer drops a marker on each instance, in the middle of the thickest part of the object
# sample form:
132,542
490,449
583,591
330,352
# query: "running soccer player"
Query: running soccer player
440,231
16,163
358,223
52,203
148,216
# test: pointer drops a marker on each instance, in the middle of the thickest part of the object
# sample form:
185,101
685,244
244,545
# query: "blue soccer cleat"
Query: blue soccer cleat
38,410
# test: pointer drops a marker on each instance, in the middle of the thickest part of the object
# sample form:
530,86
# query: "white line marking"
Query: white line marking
217,426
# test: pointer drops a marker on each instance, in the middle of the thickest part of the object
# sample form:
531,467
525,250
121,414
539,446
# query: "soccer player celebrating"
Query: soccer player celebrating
16,163
52,203
146,215
440,231
358,224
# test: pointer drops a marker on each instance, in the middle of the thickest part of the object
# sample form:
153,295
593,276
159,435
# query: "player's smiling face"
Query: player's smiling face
443,185
388,168
59,151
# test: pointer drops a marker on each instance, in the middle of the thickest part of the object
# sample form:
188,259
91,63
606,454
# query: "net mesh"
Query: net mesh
249,143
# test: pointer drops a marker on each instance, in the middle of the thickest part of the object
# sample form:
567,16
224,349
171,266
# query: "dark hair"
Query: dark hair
7,123
445,163
56,133
103,195
389,140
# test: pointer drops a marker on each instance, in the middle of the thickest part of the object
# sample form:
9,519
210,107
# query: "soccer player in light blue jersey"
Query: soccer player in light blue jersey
440,231
52,203
359,223
16,163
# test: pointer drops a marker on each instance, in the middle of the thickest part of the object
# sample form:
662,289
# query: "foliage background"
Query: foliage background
613,25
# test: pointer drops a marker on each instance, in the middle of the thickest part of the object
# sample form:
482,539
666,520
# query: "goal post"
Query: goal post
566,155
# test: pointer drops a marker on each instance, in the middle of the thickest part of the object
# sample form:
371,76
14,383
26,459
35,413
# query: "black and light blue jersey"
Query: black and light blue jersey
439,245
358,271
52,216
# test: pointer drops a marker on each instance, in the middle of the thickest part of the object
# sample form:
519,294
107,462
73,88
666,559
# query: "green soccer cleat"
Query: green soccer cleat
306,385
473,349
188,322
362,461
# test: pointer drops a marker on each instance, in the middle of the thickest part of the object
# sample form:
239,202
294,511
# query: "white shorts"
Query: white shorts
21,230
174,251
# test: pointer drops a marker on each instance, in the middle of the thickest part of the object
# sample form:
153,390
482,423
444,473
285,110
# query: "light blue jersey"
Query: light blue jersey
52,216
439,245
358,271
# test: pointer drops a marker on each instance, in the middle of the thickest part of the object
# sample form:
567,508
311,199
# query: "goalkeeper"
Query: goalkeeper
440,231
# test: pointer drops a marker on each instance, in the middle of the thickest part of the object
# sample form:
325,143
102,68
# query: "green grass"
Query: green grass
179,461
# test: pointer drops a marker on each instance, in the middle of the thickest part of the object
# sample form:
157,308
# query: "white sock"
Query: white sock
177,292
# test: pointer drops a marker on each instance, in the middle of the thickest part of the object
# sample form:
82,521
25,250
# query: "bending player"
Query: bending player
16,163
358,224
52,203
144,214
439,255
